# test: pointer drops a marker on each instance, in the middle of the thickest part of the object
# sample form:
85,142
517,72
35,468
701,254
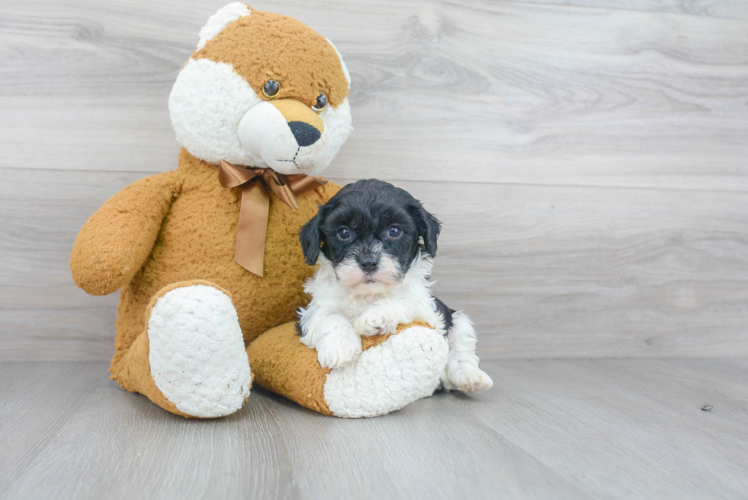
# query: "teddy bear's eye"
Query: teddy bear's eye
320,103
271,89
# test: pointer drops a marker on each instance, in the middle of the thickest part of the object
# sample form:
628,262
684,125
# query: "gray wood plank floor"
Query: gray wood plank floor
735,9
549,429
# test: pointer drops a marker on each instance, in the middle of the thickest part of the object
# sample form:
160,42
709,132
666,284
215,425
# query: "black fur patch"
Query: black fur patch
445,311
368,209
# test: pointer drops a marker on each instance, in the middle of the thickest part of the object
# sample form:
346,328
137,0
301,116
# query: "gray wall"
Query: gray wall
590,164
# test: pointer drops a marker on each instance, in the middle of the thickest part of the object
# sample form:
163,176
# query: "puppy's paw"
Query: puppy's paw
469,378
338,348
377,320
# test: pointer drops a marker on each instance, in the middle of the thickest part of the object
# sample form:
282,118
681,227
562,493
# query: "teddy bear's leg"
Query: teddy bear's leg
391,372
191,360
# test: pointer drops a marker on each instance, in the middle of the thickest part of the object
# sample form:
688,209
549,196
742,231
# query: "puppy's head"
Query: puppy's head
370,232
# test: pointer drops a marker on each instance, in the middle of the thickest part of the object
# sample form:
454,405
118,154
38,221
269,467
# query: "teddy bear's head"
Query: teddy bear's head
262,90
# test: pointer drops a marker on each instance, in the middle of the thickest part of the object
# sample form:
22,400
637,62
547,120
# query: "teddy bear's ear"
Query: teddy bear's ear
428,227
222,18
311,235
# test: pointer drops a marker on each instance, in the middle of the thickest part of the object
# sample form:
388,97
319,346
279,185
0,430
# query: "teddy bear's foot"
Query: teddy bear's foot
404,368
196,351
391,372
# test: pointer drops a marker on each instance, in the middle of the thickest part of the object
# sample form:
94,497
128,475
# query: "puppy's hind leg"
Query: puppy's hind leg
462,372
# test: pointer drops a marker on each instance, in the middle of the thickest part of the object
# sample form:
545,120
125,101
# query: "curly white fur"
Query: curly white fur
340,313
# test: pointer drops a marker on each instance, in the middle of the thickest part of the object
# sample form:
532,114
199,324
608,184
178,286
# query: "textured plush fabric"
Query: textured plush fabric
196,351
113,244
217,107
263,46
404,368
284,365
135,368
181,226
218,21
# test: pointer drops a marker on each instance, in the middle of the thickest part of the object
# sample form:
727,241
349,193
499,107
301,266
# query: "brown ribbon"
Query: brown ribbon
255,205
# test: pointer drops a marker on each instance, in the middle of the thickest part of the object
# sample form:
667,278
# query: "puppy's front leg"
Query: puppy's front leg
331,334
381,318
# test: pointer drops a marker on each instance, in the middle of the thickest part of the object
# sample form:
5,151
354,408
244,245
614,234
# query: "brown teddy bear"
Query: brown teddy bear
207,256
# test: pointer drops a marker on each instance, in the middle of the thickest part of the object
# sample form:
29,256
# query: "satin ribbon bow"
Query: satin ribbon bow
255,205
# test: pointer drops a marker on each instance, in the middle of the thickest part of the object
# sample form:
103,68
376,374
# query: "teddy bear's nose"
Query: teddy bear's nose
305,134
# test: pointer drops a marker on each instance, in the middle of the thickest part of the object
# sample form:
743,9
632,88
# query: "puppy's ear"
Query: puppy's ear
428,227
311,235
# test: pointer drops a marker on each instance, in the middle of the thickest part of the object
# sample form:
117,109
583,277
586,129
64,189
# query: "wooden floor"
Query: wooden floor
549,429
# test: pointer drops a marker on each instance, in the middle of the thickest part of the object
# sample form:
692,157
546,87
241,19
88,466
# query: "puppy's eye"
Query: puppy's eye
344,233
271,89
320,103
394,232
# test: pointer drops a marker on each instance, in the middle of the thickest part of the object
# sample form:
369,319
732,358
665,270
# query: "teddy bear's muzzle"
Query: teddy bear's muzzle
278,130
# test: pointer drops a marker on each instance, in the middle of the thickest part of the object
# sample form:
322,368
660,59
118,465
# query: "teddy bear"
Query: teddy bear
207,256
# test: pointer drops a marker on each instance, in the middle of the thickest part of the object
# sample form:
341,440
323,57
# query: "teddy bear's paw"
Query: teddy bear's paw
402,369
468,378
337,348
377,321
196,352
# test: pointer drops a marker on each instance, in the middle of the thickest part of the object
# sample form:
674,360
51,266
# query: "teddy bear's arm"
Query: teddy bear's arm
115,242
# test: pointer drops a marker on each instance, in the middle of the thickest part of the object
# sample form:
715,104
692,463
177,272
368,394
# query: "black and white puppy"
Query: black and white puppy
375,244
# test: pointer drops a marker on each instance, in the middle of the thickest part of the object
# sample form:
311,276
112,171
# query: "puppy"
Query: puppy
375,244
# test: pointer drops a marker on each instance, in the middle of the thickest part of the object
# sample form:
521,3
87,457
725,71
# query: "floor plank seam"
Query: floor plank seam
439,181
641,11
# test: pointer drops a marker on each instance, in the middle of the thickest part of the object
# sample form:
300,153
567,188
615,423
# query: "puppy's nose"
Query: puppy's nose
368,263
305,134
